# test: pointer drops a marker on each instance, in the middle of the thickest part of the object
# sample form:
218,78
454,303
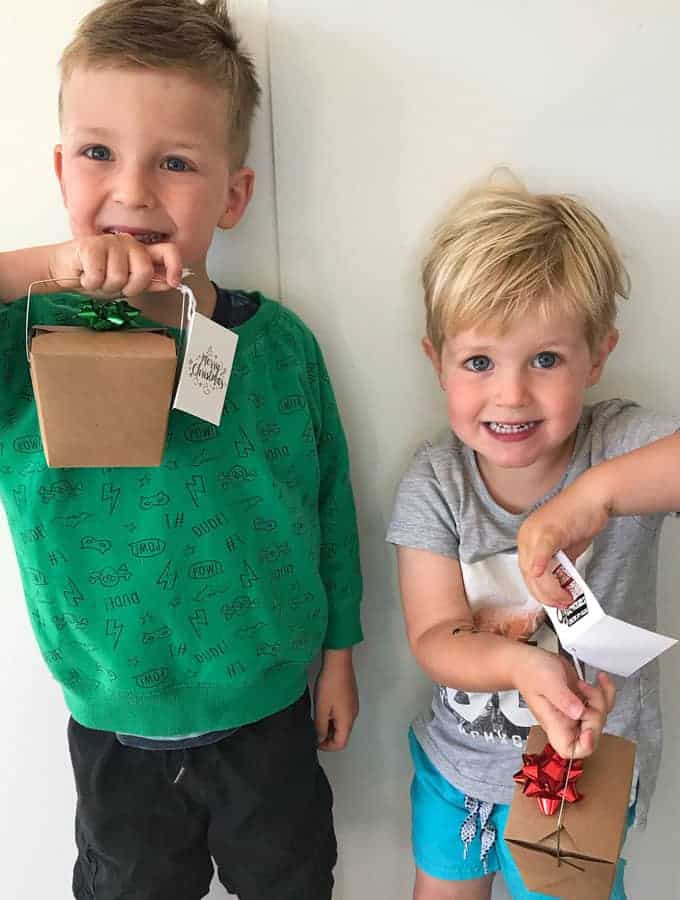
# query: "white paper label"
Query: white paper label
206,367
600,640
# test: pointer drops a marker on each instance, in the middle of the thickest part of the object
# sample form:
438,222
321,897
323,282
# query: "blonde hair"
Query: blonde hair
184,35
502,252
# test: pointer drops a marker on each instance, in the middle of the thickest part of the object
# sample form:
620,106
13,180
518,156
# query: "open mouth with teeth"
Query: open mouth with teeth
516,430
144,237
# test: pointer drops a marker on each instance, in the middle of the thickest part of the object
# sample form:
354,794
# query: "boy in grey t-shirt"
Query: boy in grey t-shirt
520,296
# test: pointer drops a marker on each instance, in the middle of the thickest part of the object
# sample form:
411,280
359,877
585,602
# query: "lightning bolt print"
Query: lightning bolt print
110,495
114,629
245,446
72,594
198,620
166,580
195,488
19,494
248,576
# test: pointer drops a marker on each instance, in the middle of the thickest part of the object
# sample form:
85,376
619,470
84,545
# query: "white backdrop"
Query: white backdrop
382,111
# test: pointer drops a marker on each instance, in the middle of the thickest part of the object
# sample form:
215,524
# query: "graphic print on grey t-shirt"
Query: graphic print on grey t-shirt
500,604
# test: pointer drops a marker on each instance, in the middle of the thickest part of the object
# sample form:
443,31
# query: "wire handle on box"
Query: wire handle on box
182,288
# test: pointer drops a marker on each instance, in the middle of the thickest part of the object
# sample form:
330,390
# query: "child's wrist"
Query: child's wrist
521,659
340,659
598,488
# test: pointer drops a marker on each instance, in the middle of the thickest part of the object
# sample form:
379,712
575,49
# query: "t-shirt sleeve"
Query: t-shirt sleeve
422,517
624,426
339,561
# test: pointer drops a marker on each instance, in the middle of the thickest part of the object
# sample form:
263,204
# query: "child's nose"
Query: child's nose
511,390
132,187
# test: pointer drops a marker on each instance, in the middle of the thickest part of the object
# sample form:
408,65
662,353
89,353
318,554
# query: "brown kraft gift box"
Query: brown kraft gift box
103,397
593,828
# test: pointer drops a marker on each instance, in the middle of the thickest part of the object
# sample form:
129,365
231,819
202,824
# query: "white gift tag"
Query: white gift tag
209,351
602,641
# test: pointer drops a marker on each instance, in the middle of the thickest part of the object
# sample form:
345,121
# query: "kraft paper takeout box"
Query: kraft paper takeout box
593,828
103,397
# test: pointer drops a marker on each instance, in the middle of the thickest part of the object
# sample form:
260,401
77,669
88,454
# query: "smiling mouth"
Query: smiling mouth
511,428
144,237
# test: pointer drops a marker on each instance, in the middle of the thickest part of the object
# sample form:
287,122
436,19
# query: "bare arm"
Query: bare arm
434,603
18,268
642,482
104,263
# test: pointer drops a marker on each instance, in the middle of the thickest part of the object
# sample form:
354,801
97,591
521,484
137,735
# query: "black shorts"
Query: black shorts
257,802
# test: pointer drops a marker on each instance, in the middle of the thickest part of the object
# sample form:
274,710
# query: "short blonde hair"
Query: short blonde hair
502,251
184,35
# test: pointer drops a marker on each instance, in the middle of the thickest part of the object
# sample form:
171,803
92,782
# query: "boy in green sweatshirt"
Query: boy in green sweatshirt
179,607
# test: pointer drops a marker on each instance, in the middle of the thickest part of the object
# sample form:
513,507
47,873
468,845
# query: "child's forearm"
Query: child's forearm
18,268
471,661
642,482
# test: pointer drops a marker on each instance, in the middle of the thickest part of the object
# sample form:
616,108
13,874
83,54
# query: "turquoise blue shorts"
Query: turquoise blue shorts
438,811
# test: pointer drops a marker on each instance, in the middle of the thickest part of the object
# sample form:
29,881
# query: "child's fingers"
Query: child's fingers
322,720
585,743
536,550
338,736
539,555
548,591
119,264
563,699
105,263
600,697
91,260
609,689
168,266
140,270
600,701
562,731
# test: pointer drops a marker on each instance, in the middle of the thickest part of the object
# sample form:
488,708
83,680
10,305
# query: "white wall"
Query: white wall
382,111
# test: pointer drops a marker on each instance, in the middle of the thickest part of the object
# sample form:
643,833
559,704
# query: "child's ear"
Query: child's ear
434,357
241,184
601,354
58,168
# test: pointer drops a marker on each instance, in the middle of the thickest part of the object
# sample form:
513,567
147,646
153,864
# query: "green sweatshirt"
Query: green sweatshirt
191,597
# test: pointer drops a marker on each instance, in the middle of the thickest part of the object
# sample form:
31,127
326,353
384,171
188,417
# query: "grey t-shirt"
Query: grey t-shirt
443,505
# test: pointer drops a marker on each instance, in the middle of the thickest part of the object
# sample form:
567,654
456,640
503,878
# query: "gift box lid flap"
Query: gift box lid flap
66,340
574,877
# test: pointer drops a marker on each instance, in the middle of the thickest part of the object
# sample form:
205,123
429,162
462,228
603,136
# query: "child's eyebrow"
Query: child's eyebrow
96,131
477,348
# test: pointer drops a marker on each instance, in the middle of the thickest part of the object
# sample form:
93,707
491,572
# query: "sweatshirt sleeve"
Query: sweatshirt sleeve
339,561
15,385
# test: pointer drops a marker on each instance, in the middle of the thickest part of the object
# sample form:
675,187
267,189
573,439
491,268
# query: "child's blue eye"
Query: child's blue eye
175,164
478,364
99,153
546,360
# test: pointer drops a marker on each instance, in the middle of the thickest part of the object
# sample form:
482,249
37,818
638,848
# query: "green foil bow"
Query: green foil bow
108,316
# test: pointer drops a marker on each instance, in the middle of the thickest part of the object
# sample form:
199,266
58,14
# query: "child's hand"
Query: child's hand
599,700
115,264
567,522
571,712
336,700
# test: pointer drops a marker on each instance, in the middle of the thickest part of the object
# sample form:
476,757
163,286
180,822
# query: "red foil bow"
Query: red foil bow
544,776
